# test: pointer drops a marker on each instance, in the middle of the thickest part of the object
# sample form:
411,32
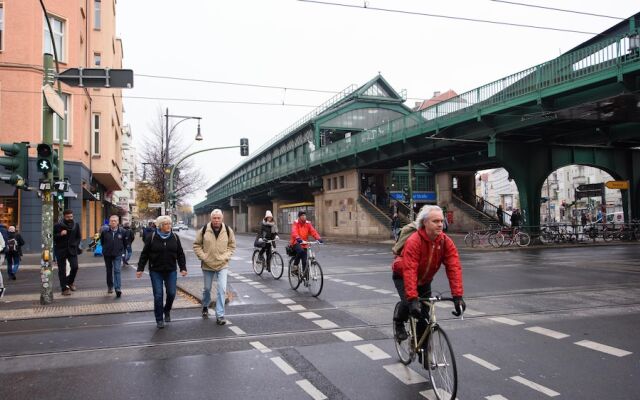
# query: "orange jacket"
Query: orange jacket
302,231
421,258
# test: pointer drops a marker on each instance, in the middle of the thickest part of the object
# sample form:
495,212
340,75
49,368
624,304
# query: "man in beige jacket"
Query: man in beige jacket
214,246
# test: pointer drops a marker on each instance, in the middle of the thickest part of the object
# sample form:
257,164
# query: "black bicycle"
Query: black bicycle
309,274
276,263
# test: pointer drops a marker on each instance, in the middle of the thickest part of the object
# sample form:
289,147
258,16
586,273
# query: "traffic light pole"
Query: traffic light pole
410,176
46,268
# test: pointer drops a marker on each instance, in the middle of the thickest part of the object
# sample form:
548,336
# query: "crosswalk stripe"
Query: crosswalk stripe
547,332
383,291
276,295
260,346
237,330
482,362
473,313
372,351
366,287
405,374
536,386
309,315
507,321
347,336
603,348
431,394
284,367
496,397
325,324
268,290
295,307
286,301
311,390
350,283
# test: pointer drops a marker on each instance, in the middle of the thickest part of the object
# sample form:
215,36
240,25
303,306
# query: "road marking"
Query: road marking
311,390
603,348
245,280
405,374
347,336
284,367
254,283
268,290
276,295
366,287
338,280
431,394
350,283
237,330
372,351
507,321
325,324
286,301
547,332
297,307
235,258
260,286
261,347
482,362
473,313
536,386
249,262
496,397
353,255
384,252
368,254
383,291
309,315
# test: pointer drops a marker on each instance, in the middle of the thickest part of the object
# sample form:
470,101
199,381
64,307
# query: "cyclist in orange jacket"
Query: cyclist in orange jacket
300,231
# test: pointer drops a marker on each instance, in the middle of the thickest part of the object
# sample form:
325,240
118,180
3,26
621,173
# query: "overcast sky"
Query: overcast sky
303,45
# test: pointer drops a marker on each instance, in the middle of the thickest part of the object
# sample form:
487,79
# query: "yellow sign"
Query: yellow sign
617,185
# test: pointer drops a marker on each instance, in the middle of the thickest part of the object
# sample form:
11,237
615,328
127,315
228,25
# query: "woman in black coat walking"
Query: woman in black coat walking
14,251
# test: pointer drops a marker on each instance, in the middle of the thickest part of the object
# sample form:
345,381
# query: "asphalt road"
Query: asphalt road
555,322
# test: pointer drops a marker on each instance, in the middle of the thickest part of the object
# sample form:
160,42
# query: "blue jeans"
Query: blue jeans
113,265
169,280
13,263
221,276
127,255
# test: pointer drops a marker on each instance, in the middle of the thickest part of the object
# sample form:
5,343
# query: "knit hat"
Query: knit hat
268,214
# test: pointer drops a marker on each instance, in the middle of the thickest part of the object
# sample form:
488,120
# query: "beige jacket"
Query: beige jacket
214,253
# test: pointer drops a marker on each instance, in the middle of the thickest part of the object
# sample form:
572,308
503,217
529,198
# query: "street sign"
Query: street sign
589,186
624,185
154,205
54,101
97,77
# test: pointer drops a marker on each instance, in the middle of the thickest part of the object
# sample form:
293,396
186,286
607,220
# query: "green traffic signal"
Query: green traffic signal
17,162
47,159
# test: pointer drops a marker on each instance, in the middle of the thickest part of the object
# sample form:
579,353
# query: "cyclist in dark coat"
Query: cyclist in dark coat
268,231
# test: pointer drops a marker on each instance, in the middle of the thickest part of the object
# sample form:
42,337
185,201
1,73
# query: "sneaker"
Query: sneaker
118,294
160,324
167,316
72,287
205,312
401,332
221,320
110,290
13,277
66,292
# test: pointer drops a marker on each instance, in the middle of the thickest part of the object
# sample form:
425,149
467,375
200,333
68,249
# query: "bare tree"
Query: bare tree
187,179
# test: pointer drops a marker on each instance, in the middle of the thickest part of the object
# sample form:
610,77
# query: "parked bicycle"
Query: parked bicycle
433,349
310,274
276,264
512,236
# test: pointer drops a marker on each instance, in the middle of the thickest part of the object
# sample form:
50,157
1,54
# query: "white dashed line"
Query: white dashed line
473,313
431,395
268,290
347,336
481,362
507,321
496,397
253,283
237,330
547,332
286,301
366,287
325,324
353,255
276,295
350,283
309,315
260,286
383,291
603,348
338,280
260,346
536,386
405,374
372,351
284,367
296,307
311,390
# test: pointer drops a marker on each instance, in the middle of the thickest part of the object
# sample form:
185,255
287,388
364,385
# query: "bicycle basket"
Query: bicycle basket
290,251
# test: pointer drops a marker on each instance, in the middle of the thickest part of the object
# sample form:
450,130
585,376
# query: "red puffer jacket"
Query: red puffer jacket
302,230
421,258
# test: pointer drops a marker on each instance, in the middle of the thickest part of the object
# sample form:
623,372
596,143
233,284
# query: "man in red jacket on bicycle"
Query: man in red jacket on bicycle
423,253
300,231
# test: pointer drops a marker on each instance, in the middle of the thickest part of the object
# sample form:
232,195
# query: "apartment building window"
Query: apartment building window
96,134
59,124
1,26
97,14
97,59
58,36
328,184
341,181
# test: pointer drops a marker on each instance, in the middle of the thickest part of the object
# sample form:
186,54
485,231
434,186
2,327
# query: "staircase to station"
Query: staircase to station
486,216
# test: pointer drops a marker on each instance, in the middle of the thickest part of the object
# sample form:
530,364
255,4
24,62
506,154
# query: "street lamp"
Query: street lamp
166,148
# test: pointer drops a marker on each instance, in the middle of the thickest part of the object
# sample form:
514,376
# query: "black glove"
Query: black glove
415,309
460,306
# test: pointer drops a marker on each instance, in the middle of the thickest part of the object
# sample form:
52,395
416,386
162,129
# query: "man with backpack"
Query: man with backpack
421,254
13,251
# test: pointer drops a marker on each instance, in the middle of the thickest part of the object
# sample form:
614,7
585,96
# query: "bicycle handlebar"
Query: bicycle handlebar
435,299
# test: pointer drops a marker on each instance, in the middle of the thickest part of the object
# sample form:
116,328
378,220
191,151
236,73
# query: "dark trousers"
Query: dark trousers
66,281
267,248
403,310
301,254
157,280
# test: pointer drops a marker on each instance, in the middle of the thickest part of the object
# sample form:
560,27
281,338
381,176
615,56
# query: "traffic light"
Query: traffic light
172,199
244,147
45,158
17,162
59,196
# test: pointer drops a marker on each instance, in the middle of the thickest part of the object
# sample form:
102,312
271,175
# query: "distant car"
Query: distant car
181,227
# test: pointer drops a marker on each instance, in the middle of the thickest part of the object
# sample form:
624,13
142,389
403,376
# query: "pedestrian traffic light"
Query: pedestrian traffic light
59,196
47,159
17,162
244,147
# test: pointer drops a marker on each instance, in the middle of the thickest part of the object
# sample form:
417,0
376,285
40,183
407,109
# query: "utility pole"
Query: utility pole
410,176
46,269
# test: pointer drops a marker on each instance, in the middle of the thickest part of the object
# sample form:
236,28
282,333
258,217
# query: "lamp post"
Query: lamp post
166,148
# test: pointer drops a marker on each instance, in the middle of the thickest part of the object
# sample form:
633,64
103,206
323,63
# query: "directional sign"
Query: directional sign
97,77
589,186
54,101
617,185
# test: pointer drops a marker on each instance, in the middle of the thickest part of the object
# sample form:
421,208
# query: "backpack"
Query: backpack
12,246
405,232
204,229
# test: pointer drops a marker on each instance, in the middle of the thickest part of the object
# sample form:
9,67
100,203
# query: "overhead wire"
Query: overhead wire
557,9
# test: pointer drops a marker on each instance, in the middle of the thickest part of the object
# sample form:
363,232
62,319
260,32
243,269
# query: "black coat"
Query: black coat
268,230
66,245
19,240
113,243
162,254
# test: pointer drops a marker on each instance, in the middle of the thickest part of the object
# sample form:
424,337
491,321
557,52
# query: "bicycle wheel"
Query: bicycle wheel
315,279
468,239
608,235
496,239
277,265
522,239
404,348
441,364
294,280
258,266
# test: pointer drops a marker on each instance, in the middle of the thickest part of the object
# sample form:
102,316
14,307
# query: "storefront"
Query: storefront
9,205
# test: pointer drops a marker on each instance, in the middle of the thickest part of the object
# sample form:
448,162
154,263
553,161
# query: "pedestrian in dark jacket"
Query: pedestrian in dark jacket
13,251
163,251
113,247
66,245
129,236
268,231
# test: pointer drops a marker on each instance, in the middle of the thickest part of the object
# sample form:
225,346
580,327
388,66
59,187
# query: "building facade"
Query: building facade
84,36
